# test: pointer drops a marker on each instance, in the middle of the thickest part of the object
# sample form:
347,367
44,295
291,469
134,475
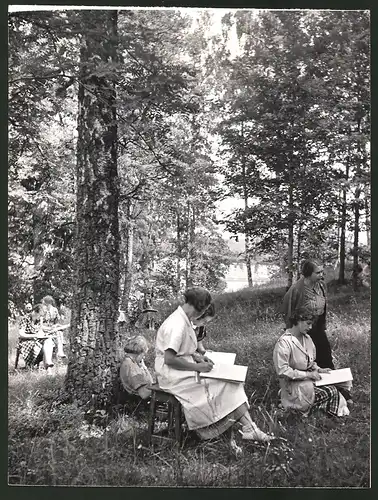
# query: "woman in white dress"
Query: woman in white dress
210,406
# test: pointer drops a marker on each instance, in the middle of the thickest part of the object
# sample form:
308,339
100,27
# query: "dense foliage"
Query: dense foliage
283,124
296,129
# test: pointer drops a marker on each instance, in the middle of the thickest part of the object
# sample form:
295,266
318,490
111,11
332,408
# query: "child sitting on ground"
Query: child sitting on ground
133,373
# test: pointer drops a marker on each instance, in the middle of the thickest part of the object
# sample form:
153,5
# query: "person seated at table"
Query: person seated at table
211,406
51,318
134,374
35,345
294,358
199,325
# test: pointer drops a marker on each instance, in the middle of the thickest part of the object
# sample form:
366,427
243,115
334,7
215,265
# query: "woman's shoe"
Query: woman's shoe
237,450
256,434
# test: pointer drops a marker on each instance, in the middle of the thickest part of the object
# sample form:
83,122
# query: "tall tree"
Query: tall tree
92,368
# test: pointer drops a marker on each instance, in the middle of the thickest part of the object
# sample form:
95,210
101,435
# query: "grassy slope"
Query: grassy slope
51,444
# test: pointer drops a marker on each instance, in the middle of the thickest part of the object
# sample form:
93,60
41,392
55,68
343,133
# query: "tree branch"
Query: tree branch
46,77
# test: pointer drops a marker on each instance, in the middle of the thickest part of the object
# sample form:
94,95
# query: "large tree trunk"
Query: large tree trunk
178,250
290,248
338,232
248,260
355,239
302,217
356,226
299,243
128,268
246,236
290,252
188,266
367,215
128,259
343,227
92,367
38,258
193,257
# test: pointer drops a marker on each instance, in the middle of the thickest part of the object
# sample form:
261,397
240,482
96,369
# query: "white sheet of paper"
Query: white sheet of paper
230,373
334,377
224,358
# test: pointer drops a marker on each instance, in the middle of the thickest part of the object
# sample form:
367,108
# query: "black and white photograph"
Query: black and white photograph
189,247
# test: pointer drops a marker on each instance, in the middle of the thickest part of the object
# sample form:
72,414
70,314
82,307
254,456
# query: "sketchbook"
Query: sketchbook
227,372
335,377
224,358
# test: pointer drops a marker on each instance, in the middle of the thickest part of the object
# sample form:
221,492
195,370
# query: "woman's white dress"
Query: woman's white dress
204,402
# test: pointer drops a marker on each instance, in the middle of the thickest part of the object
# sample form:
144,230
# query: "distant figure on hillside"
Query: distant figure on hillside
51,318
28,309
34,343
121,316
211,406
357,274
64,311
134,374
12,310
199,325
294,361
147,317
366,275
309,293
122,322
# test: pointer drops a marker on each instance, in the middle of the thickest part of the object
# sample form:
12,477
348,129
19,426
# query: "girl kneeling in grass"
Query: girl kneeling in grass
210,406
294,360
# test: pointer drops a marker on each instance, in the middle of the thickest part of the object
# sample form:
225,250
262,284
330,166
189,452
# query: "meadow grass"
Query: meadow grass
53,444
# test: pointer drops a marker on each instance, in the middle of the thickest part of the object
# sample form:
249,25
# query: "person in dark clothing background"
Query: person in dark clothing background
309,294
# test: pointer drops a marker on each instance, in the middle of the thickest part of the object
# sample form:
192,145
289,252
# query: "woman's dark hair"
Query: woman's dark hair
198,297
308,268
300,316
209,312
37,309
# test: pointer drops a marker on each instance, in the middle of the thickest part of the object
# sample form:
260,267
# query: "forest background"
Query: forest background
128,132
271,108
